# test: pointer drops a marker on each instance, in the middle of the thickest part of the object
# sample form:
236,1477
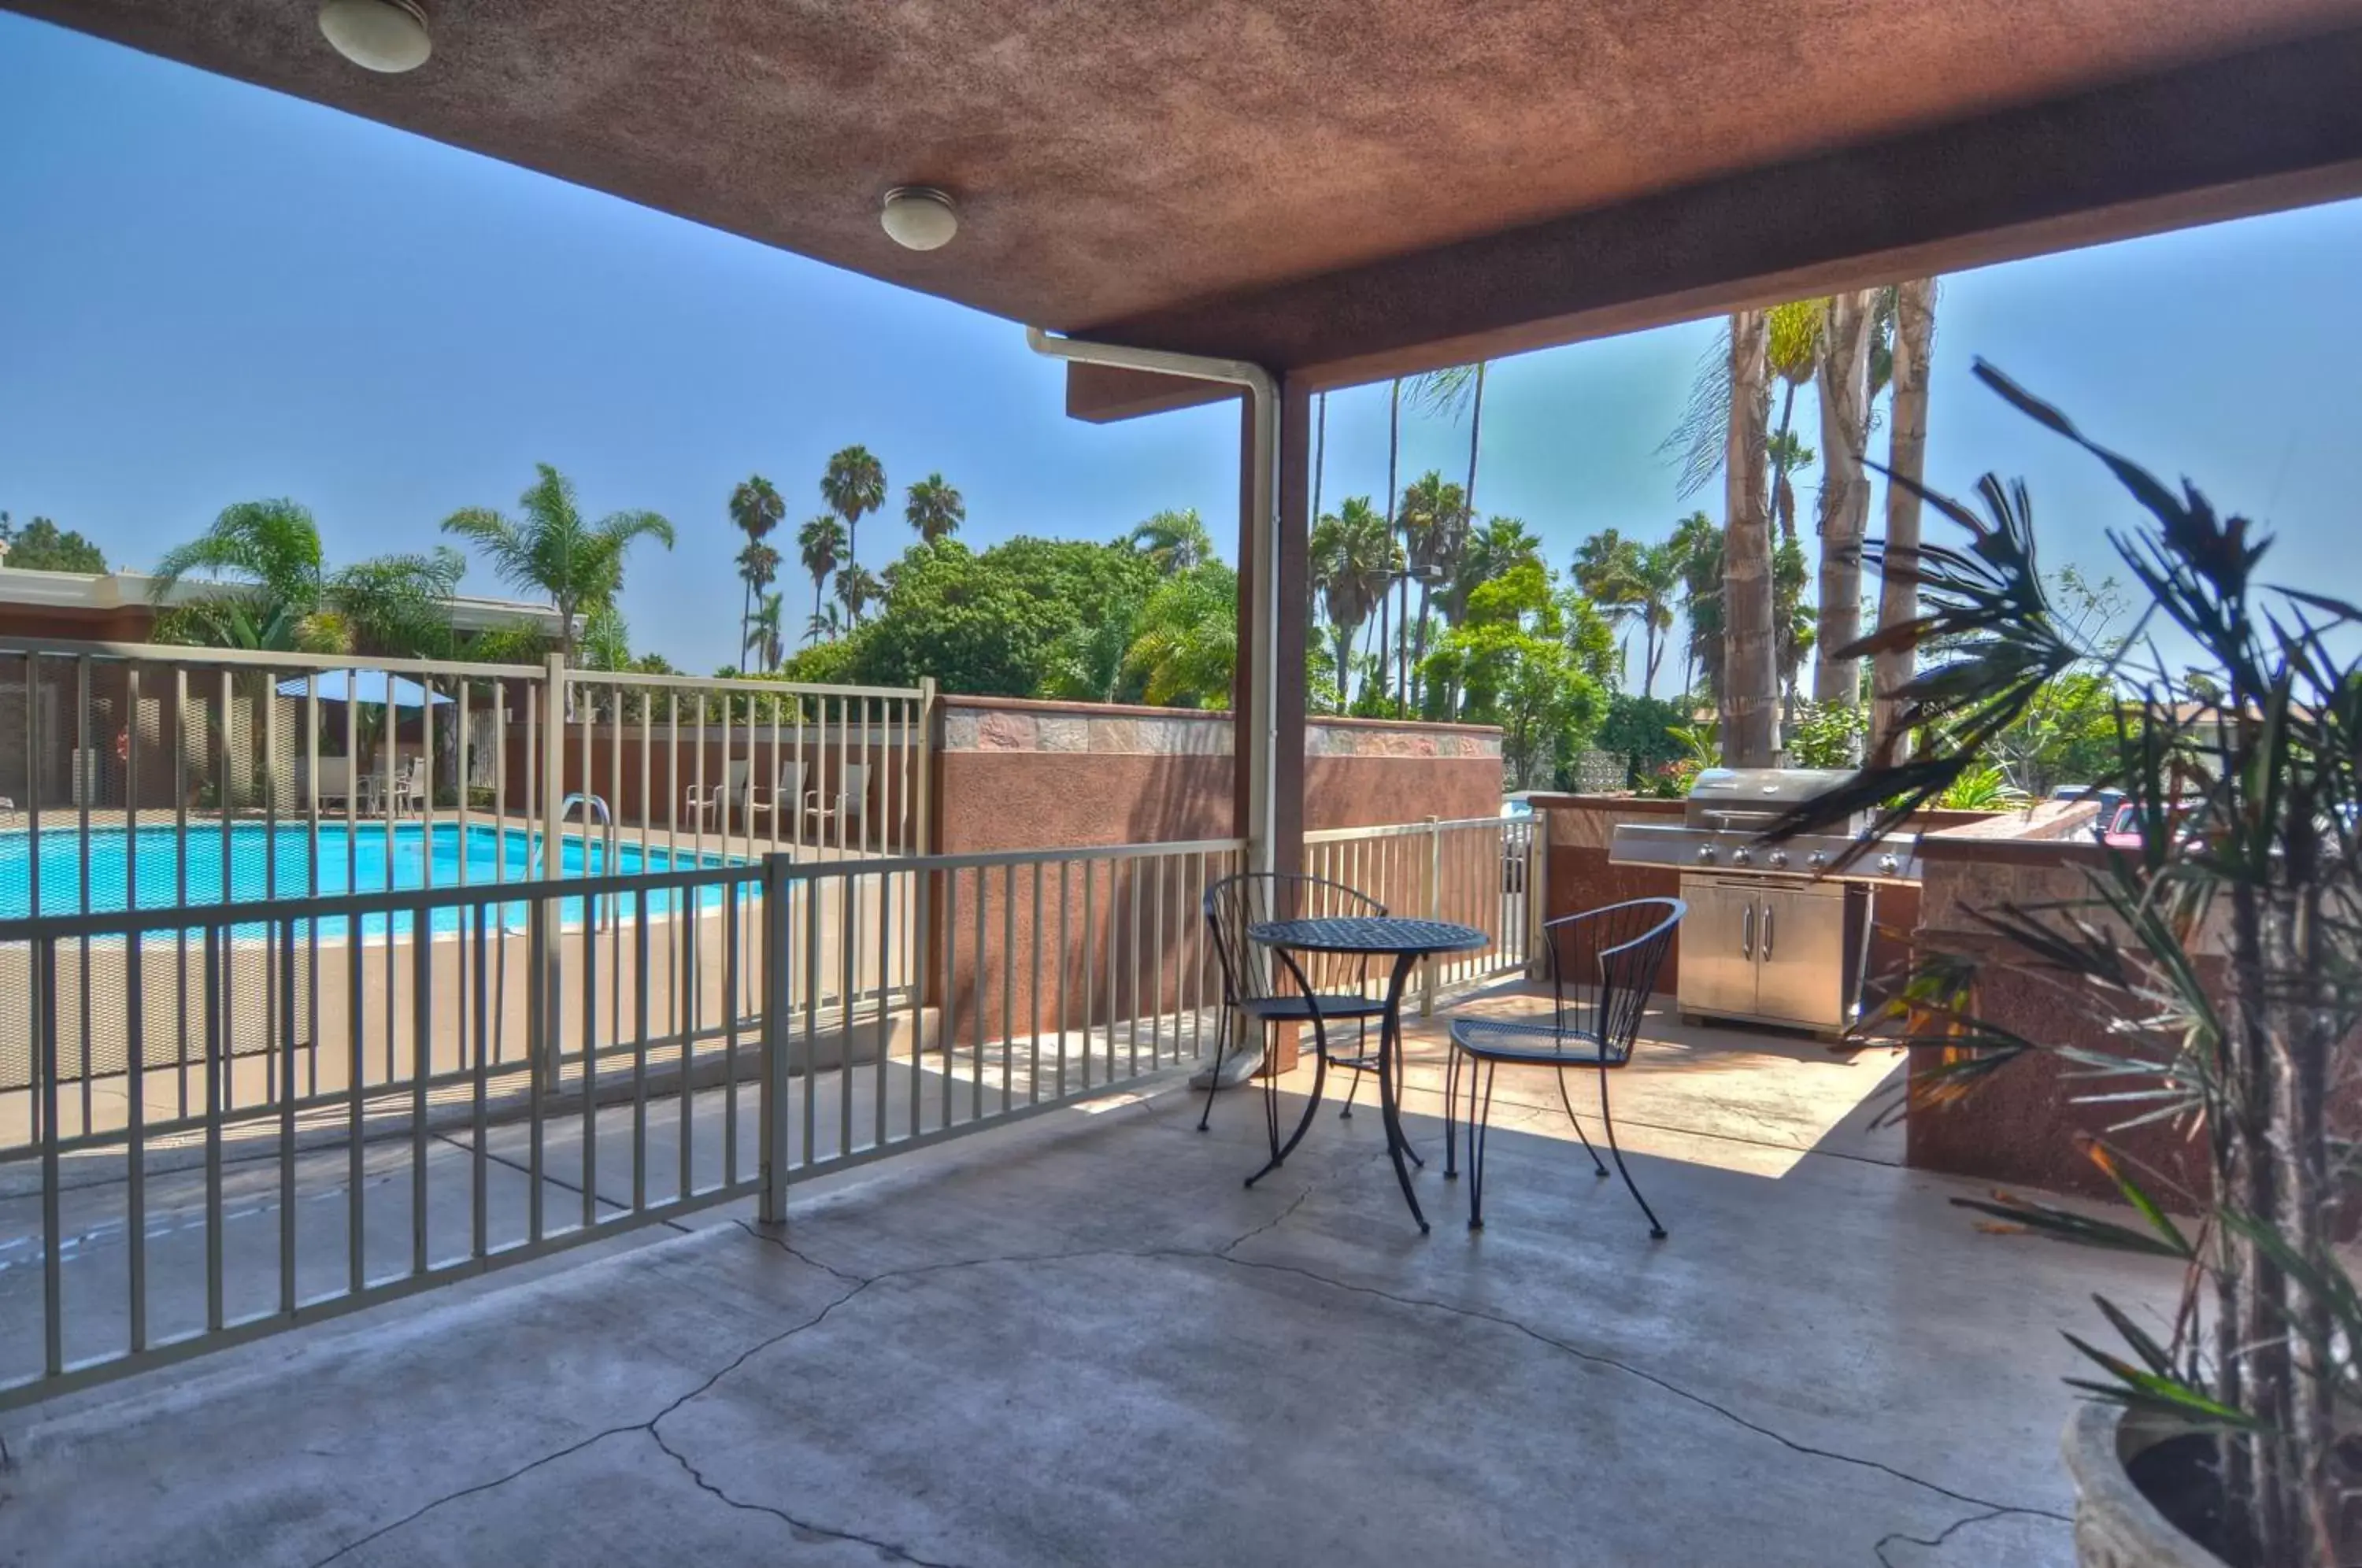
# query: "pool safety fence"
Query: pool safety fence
221,1122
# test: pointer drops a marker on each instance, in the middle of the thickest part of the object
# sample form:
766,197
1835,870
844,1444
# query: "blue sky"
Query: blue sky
209,292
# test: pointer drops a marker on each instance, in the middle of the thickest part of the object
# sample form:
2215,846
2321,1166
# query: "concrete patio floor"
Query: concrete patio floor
1080,1340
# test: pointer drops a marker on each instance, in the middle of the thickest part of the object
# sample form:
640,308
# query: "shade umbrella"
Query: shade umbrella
363,685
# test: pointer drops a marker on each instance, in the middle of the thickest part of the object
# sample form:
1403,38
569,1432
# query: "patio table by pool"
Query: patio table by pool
1383,936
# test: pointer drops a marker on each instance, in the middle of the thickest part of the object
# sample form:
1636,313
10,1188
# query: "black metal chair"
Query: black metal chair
1602,969
1263,992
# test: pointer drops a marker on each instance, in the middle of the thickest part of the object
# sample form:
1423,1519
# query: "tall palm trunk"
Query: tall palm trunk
1845,495
1394,452
1783,494
1468,499
1320,450
1751,684
1906,462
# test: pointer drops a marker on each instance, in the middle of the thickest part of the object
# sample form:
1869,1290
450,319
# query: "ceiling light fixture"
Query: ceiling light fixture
390,35
919,217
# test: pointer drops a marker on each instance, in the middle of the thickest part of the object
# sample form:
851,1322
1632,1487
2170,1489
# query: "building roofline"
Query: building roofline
136,590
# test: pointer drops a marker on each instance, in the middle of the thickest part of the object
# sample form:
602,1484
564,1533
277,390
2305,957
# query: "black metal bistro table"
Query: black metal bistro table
1377,936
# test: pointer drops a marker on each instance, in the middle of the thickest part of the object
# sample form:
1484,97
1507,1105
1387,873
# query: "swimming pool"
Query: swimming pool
257,860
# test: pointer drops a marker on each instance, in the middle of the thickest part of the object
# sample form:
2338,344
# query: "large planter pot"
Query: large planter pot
2115,1526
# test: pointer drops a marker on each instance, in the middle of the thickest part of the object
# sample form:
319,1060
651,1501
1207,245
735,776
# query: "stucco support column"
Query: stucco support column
1273,602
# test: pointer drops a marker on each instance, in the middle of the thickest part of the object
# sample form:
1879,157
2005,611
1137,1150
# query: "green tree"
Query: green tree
988,624
935,509
42,545
1175,541
1511,662
276,593
548,549
1435,524
853,485
820,544
1640,730
765,633
1186,651
1354,559
1698,545
1607,572
857,588
758,568
755,510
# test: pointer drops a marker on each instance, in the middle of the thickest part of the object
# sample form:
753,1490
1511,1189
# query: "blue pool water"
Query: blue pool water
254,860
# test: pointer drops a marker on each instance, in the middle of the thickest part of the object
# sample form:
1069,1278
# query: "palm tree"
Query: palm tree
826,624
1907,462
933,508
1186,648
1700,439
1844,491
755,510
758,566
1607,571
1175,541
858,587
1657,577
1435,526
1697,542
854,486
280,596
1750,689
1353,560
1394,454
550,549
821,542
764,628
1500,545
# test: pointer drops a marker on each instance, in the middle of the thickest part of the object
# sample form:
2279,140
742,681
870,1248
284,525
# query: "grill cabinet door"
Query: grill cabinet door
1800,955
1717,961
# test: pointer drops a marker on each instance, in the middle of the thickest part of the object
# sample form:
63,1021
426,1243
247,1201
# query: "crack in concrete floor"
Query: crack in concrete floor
1226,1254
1900,1538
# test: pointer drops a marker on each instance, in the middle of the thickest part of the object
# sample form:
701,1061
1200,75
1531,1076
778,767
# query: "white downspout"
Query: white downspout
1262,743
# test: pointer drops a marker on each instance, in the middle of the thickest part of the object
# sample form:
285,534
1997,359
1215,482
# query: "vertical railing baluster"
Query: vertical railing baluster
44,955
729,980
421,1066
214,1050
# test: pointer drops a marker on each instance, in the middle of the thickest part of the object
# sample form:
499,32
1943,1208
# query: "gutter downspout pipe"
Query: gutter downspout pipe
1263,541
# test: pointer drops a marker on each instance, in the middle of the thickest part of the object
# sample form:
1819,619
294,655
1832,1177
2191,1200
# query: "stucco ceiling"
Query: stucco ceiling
1118,158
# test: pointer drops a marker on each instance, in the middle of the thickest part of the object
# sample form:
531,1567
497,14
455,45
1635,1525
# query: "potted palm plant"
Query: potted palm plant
2223,960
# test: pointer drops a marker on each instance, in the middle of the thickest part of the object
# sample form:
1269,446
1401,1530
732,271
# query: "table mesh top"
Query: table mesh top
1368,934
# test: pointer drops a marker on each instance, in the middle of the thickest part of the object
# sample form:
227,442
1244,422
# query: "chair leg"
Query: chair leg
1450,1111
1222,1055
1598,1169
1656,1228
1480,1128
1279,1150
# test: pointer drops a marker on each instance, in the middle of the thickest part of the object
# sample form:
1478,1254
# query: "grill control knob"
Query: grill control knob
1886,865
1741,856
1706,854
1779,859
1817,859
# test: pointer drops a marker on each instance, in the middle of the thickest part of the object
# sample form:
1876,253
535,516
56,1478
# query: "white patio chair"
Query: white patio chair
731,792
409,787
848,807
782,796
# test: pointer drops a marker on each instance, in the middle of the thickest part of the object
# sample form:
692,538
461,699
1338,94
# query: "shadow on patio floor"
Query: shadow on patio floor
1081,1341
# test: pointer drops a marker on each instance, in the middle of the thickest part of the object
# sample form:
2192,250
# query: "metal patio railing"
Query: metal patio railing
236,1119
1484,872
136,774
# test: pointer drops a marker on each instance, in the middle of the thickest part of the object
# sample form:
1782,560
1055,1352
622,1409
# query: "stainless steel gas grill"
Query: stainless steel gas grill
1776,934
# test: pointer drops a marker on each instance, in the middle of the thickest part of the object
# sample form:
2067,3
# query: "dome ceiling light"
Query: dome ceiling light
390,35
919,217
